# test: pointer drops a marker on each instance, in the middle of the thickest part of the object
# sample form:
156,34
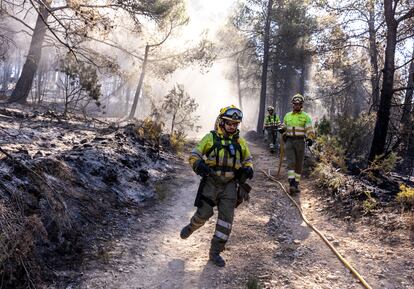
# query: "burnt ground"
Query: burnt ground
65,182
270,246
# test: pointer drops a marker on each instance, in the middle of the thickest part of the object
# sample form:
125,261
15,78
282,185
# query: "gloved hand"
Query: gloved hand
309,142
244,173
201,168
281,128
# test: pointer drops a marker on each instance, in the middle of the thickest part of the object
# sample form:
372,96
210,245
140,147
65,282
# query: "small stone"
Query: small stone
332,277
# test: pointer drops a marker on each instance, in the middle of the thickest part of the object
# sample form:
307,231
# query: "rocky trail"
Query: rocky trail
270,246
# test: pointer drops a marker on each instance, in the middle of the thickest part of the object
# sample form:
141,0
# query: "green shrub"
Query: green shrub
329,177
330,151
323,127
355,134
177,141
150,130
369,204
381,165
406,196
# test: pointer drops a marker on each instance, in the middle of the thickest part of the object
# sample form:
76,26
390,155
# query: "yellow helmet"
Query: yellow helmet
231,113
270,108
298,98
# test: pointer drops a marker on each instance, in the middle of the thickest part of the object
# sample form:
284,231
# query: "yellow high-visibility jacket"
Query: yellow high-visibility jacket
271,120
223,155
299,124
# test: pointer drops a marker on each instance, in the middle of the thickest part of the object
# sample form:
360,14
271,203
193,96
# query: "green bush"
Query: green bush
406,196
355,134
177,141
150,130
369,204
329,177
323,127
381,166
330,151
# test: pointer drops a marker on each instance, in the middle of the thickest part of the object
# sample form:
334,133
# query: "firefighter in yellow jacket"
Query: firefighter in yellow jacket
222,158
298,129
271,125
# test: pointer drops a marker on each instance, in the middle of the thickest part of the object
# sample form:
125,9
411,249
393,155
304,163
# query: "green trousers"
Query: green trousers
295,153
223,193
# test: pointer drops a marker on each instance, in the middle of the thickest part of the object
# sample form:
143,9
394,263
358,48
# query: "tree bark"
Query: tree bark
387,91
39,83
266,41
373,52
6,76
173,123
407,107
24,84
407,123
141,80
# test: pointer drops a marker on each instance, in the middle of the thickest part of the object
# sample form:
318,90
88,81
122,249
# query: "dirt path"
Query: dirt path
269,243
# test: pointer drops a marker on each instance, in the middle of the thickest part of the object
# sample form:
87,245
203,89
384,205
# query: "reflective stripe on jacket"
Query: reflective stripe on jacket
298,124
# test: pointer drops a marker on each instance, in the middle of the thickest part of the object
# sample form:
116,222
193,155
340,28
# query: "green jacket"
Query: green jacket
298,124
220,159
271,120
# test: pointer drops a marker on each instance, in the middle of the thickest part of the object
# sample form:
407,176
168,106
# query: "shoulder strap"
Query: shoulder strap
216,143
236,143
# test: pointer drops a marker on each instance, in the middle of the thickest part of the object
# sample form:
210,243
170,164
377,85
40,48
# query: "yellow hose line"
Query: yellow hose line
340,257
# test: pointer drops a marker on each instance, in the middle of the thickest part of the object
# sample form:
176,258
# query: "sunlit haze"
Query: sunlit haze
212,90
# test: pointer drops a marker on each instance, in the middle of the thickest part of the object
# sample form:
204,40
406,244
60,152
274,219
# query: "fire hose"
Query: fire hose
340,257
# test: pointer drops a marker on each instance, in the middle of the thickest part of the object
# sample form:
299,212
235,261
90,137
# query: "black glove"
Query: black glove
309,142
244,173
201,168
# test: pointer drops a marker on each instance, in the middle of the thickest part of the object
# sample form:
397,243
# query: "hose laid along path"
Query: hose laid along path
340,257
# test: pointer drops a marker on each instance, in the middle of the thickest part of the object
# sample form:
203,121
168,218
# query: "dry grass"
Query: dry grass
17,241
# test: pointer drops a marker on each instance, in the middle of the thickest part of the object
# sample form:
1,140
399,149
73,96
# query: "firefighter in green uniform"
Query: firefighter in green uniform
298,129
222,158
271,124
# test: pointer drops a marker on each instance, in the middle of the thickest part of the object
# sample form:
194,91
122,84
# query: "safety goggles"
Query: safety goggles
297,100
234,114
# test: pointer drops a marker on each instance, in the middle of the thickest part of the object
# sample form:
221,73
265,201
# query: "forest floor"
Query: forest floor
270,245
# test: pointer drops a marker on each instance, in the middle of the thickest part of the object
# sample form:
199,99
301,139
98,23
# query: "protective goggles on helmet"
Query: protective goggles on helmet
298,98
233,114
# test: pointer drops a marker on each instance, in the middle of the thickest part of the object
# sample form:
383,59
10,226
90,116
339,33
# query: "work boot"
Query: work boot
293,186
186,232
297,187
217,259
